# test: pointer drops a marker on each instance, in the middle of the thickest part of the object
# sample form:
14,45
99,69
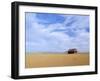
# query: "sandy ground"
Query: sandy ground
34,60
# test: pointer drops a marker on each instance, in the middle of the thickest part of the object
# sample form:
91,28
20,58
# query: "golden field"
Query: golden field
35,60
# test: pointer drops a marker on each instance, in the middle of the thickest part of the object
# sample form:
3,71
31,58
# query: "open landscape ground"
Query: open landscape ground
36,60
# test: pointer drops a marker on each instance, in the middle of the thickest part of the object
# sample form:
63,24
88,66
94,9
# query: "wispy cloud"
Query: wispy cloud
56,32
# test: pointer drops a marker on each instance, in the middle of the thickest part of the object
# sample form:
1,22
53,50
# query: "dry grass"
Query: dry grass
35,60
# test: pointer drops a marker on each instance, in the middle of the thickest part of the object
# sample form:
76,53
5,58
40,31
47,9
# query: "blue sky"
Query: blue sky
46,32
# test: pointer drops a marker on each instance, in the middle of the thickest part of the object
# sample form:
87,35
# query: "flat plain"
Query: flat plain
37,60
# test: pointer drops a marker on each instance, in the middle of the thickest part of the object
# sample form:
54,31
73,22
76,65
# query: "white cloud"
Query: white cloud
46,38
